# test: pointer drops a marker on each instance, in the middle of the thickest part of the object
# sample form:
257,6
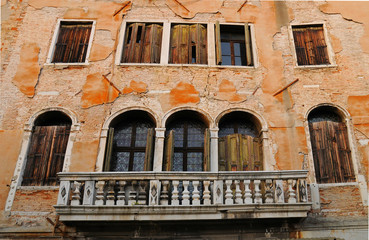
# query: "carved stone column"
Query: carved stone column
159,149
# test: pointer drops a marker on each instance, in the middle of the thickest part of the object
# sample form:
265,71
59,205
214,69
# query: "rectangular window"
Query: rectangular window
233,45
188,44
142,43
72,42
311,48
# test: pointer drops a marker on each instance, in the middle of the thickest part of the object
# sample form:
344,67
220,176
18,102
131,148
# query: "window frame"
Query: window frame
330,51
55,39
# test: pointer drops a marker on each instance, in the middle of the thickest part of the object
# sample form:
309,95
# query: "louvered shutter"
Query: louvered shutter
300,39
128,43
218,44
249,60
156,43
174,44
149,151
206,162
320,47
169,151
344,153
202,44
222,154
109,149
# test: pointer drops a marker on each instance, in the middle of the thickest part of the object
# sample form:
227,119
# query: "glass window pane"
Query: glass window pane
195,135
138,161
237,61
122,136
226,60
178,136
237,49
226,48
141,134
178,162
121,162
194,161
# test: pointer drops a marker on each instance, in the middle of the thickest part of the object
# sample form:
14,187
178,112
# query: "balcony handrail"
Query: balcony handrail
148,175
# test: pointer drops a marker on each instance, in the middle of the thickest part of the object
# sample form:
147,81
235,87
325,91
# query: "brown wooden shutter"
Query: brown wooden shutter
344,153
249,60
46,155
206,150
222,154
218,44
300,39
109,149
137,43
156,43
169,151
233,152
149,151
174,44
128,39
319,45
258,164
184,46
202,44
72,43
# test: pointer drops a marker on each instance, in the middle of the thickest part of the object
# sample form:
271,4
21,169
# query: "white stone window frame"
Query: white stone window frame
22,157
55,39
253,47
331,58
359,179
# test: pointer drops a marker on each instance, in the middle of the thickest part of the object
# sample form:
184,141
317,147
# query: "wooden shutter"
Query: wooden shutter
300,38
149,151
128,39
344,153
109,149
183,44
206,162
46,155
174,44
72,43
202,44
249,61
319,45
218,44
151,49
169,151
222,154
233,153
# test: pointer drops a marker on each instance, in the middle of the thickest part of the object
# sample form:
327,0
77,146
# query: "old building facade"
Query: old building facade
181,119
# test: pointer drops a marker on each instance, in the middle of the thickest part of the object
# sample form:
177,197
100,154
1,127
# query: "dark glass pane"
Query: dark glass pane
178,162
195,135
226,60
141,134
194,161
227,130
138,161
237,49
237,61
178,136
120,162
226,48
122,136
249,130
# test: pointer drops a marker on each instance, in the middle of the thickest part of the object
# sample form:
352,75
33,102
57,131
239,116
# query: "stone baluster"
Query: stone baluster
132,194
206,193
247,195
302,190
185,194
291,192
100,193
218,192
64,193
175,196
154,192
121,197
110,197
195,193
278,192
257,194
76,196
164,193
269,191
228,195
142,193
89,193
238,193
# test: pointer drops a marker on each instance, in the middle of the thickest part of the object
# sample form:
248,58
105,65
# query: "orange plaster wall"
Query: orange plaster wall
182,94
99,52
84,156
28,69
137,87
189,8
228,92
11,141
355,10
97,90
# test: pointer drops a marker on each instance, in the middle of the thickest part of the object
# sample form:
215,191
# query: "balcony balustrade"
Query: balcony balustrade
122,196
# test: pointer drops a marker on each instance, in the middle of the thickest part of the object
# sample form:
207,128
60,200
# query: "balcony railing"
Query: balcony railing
182,195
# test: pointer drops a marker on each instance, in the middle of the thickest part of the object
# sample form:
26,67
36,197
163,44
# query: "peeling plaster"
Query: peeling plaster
98,90
28,69
189,8
182,94
136,87
228,92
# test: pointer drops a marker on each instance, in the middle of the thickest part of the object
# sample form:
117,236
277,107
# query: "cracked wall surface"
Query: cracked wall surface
95,91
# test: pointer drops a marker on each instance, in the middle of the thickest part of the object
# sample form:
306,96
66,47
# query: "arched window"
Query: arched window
331,150
187,143
240,143
47,148
130,143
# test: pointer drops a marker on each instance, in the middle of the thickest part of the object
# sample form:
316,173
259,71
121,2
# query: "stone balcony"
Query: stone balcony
156,196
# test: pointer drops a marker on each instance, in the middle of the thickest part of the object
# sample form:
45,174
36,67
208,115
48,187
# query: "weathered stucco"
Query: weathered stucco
27,73
83,156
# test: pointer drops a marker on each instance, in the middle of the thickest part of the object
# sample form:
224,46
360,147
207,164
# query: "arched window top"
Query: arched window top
133,116
187,115
325,113
239,122
53,118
